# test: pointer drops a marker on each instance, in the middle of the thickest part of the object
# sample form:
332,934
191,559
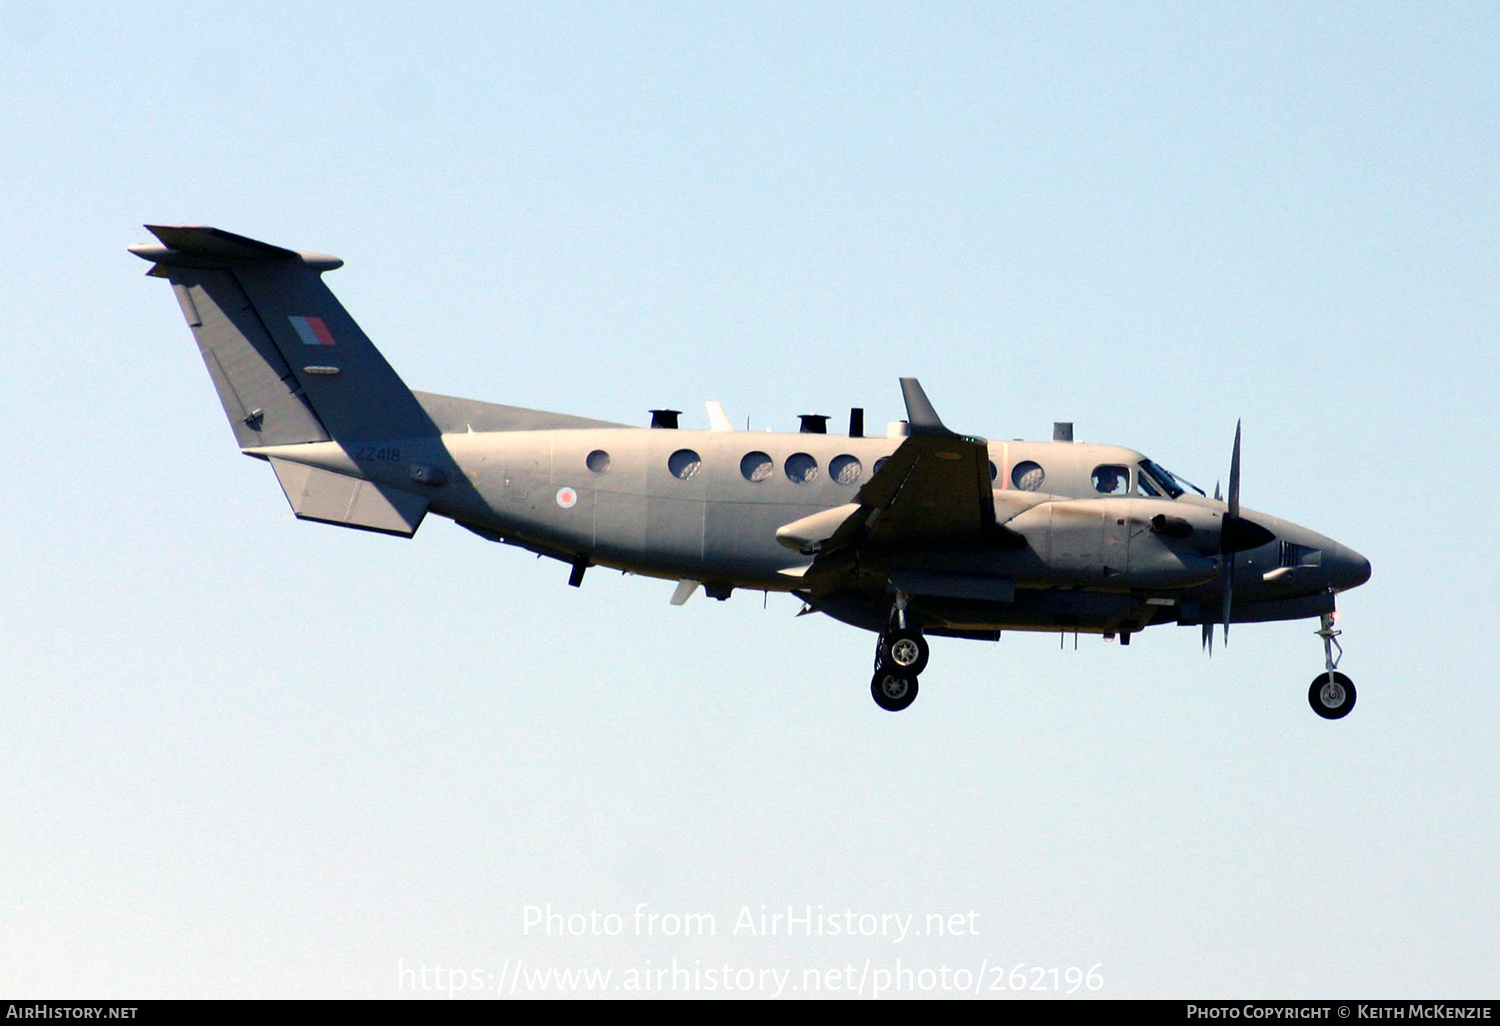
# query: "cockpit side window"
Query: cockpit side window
1166,480
1160,477
1111,479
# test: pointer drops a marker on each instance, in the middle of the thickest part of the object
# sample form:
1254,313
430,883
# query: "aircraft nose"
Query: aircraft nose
1349,569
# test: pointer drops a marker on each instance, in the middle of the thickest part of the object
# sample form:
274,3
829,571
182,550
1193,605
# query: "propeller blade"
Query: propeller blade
1234,533
1228,592
1234,475
1237,533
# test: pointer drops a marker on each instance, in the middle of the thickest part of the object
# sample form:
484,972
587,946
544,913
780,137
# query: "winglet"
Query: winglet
919,412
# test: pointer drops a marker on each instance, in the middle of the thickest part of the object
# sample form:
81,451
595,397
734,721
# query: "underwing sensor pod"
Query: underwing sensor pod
922,532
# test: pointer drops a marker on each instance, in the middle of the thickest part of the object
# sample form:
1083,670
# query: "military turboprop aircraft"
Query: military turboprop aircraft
923,531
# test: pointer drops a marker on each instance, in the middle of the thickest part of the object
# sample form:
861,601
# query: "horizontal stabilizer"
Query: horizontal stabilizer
202,246
344,501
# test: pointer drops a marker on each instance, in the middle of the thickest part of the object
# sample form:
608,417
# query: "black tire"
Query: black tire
904,651
893,690
1331,700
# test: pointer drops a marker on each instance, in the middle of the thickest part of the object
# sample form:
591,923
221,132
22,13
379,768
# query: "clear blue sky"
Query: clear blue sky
252,757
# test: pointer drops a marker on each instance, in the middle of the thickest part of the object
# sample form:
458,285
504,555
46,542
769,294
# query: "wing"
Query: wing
934,490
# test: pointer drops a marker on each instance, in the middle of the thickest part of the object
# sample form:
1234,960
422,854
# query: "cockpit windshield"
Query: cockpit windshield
1165,482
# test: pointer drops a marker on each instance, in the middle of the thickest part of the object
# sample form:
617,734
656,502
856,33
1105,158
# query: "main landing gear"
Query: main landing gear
1331,694
900,654
893,690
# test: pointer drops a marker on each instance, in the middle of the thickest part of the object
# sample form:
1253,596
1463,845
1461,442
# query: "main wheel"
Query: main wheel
893,690
905,651
1331,699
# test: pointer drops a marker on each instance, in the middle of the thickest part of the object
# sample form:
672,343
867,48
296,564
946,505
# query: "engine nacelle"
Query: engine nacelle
1118,543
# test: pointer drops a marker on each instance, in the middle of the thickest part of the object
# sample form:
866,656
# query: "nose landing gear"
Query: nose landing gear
1331,693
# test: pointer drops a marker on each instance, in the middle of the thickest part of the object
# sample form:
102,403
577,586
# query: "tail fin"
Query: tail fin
289,363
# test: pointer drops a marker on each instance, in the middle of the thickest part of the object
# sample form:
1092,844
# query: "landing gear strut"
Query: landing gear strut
1331,694
900,654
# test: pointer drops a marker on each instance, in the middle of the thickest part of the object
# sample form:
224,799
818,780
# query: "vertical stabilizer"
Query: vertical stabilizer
289,363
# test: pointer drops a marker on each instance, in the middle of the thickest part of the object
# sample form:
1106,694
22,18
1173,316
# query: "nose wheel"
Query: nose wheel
1331,693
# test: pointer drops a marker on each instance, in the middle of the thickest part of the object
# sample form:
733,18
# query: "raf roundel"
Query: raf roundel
567,498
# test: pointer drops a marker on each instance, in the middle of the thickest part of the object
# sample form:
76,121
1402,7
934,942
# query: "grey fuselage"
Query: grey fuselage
704,516
1049,536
